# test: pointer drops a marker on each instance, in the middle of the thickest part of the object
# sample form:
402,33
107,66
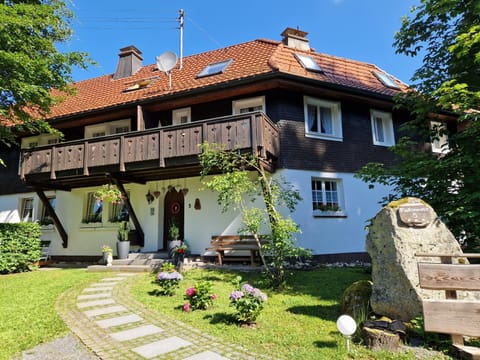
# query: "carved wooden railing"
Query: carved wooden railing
252,131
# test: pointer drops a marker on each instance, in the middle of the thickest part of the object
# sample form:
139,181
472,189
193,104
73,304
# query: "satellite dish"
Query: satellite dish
166,61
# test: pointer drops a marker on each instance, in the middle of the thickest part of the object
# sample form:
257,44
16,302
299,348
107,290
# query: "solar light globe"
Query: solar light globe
346,325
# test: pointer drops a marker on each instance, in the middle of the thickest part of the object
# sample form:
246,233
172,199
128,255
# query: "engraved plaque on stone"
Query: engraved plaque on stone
415,215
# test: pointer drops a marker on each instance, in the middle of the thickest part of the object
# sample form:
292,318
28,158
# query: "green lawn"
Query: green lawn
27,307
298,323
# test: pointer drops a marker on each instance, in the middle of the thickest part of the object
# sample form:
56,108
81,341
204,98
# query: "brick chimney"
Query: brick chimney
129,62
295,38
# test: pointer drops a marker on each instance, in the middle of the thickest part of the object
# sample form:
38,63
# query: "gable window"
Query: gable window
327,197
439,137
248,105
109,128
45,219
93,209
308,63
323,119
181,116
26,210
38,140
215,68
382,128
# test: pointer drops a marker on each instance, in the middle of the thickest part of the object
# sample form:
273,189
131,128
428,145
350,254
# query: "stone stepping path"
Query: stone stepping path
115,326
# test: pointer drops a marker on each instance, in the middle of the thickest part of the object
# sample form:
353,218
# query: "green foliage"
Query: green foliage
247,301
19,247
238,188
447,34
30,32
168,279
123,230
200,296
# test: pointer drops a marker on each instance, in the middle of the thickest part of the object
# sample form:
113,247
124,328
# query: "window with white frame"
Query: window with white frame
109,128
45,219
38,140
382,128
323,119
327,196
181,116
26,210
93,209
439,137
248,105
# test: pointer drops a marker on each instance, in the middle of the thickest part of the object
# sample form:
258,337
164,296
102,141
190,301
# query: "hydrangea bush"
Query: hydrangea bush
248,302
168,279
200,297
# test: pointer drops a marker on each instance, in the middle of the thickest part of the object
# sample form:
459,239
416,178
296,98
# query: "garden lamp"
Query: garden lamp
347,326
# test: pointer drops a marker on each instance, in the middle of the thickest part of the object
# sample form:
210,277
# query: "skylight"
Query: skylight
215,68
386,80
308,62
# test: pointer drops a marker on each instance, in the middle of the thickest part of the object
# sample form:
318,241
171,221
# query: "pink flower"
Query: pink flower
186,307
190,292
214,296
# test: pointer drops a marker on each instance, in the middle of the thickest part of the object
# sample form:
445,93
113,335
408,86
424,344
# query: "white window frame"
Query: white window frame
87,214
439,145
39,140
239,105
336,133
179,115
108,128
26,209
332,202
387,130
43,211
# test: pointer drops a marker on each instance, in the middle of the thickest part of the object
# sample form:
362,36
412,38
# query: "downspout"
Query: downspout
51,212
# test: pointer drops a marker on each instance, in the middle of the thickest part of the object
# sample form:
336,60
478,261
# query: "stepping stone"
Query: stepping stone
206,355
105,310
136,332
103,284
85,304
114,279
94,296
98,289
161,347
120,320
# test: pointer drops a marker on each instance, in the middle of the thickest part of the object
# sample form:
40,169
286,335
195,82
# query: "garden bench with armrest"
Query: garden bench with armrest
230,245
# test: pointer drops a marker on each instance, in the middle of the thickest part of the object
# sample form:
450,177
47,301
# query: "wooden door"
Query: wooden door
173,213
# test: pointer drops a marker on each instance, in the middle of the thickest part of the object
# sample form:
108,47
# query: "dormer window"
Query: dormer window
386,80
308,63
109,128
38,140
215,68
248,105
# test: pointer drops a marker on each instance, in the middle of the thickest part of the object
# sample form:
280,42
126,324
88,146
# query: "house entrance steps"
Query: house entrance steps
113,325
136,262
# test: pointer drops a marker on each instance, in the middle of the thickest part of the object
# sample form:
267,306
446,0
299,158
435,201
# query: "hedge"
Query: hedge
19,247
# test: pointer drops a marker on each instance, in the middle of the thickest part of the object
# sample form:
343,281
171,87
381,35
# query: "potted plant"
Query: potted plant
174,235
123,244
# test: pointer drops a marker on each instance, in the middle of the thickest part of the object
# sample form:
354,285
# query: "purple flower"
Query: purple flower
165,275
190,292
248,288
259,295
235,295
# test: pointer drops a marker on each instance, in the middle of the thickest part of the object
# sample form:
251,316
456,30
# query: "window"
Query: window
26,211
439,137
248,105
38,140
386,80
308,63
109,128
382,128
181,116
215,68
323,119
327,196
45,219
93,209
118,212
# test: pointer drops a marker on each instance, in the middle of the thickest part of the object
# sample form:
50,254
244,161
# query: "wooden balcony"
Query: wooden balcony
141,156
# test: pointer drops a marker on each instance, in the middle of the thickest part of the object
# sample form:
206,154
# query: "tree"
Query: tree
238,189
446,89
31,66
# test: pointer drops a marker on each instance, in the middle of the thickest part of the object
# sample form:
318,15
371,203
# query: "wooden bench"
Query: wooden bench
227,245
452,316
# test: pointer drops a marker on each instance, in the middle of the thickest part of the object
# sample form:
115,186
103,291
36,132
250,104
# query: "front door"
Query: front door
174,213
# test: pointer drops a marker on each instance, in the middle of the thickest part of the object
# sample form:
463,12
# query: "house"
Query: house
312,118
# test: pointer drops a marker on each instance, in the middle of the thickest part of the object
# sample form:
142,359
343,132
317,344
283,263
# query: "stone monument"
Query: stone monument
400,230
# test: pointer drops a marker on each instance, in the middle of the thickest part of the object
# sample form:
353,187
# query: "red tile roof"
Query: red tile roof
250,59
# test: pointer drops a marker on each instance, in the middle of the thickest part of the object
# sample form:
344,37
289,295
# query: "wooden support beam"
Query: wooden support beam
51,212
140,119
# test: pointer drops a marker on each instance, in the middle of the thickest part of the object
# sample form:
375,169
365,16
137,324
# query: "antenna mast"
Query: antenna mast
180,20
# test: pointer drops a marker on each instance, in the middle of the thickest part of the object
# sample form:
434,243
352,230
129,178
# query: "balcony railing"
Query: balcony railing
150,149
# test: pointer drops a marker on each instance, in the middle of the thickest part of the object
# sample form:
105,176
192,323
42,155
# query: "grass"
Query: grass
27,307
297,323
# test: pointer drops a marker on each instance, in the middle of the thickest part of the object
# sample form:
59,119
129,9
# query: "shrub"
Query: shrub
168,279
248,301
19,247
200,297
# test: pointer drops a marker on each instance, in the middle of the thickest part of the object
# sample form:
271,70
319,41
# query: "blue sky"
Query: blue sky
358,29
